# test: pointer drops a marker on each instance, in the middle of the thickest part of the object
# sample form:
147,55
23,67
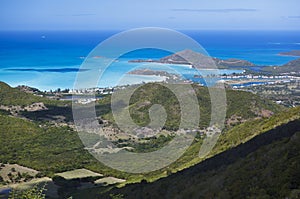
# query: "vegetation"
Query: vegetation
196,169
14,97
36,192
150,144
270,172
246,131
286,93
49,148
267,166
243,105
16,102
52,113
290,67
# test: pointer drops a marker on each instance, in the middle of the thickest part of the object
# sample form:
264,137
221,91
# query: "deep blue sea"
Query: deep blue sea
51,59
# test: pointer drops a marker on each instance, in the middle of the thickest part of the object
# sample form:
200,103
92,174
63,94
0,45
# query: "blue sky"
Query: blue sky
125,14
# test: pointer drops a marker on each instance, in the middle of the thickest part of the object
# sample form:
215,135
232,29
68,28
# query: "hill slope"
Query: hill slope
241,106
290,67
24,136
14,97
51,149
24,104
267,166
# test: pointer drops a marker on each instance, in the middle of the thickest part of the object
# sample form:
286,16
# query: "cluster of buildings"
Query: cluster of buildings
259,77
100,91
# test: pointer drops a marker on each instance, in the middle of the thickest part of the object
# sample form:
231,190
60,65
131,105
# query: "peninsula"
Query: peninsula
197,60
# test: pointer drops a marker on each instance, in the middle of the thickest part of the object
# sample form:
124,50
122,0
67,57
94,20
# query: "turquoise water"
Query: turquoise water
50,60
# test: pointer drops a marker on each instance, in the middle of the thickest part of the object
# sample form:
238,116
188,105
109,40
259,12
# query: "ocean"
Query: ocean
51,59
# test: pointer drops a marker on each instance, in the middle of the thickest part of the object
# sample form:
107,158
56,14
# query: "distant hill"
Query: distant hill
22,102
198,60
291,53
28,89
241,105
233,63
23,96
290,67
264,163
14,96
293,64
188,56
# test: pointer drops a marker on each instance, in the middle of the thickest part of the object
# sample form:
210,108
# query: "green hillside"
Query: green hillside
48,148
266,166
13,96
241,106
43,140
16,100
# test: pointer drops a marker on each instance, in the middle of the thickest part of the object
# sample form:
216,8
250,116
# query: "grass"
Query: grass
246,131
78,173
109,181
239,104
269,171
14,97
14,169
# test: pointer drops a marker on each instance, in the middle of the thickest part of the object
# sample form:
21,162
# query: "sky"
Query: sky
126,14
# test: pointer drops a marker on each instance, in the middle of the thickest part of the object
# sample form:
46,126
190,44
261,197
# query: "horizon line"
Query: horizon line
125,29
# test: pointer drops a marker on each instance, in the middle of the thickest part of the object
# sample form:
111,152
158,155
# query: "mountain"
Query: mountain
263,164
232,63
290,67
199,60
187,57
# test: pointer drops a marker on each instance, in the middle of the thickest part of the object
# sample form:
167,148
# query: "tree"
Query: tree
36,192
116,196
